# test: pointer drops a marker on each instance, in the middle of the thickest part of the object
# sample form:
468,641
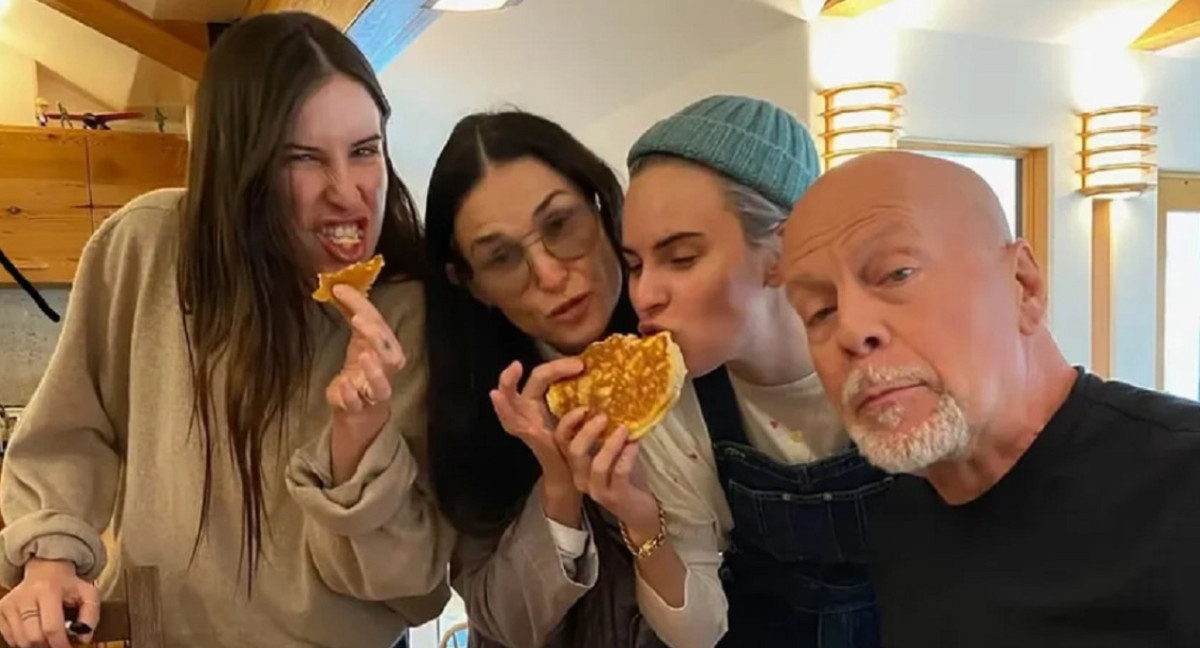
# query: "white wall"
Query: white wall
771,68
55,89
979,90
974,89
604,70
18,78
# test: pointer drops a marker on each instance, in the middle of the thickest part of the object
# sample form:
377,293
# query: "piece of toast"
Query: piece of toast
359,275
634,381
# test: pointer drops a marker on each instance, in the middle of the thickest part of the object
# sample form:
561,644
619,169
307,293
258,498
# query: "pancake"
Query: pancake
635,381
360,276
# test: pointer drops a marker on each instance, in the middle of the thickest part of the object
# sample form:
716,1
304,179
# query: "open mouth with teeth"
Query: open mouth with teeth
345,242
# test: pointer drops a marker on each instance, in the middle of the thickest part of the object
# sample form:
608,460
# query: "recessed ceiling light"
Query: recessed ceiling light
468,5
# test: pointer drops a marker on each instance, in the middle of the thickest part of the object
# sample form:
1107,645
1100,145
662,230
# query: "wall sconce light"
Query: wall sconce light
860,118
1115,151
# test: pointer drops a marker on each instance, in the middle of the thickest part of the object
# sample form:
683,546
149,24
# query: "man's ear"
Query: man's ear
1033,289
772,254
774,277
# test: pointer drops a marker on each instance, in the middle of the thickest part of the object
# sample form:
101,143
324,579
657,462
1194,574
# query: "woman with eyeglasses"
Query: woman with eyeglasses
522,222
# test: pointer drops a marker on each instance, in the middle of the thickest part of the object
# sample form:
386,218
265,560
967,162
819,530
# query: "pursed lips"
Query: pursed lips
649,329
875,392
568,305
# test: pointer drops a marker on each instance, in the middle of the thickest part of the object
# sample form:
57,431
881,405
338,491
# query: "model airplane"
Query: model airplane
91,121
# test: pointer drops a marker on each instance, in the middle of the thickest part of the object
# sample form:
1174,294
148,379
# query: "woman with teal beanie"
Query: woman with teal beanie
744,508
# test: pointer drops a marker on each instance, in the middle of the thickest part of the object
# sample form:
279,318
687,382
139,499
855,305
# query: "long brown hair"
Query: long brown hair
243,285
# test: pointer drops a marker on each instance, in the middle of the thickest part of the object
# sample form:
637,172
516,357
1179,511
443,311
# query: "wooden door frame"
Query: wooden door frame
1102,279
1177,191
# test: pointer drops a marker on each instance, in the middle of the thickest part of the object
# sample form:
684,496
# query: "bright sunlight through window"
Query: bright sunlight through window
1003,175
1181,317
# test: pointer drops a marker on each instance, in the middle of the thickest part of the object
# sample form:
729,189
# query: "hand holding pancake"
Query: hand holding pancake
628,385
525,415
361,392
610,475
634,381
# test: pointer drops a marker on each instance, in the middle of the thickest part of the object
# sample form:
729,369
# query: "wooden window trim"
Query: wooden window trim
1035,187
1177,191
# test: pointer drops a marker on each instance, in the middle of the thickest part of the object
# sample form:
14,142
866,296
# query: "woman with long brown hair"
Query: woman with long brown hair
250,443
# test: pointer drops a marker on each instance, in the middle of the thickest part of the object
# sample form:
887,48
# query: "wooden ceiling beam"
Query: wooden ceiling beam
339,12
850,8
1181,23
174,45
190,31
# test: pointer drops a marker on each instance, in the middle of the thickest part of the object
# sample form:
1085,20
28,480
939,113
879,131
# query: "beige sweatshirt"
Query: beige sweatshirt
105,442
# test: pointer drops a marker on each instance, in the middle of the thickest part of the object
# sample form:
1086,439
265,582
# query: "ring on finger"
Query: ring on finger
364,392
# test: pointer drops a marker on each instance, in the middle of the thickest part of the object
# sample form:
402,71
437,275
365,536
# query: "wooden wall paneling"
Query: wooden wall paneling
125,165
101,214
45,215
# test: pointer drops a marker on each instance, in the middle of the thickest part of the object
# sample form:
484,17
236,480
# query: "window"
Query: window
1181,316
1179,284
1019,176
431,634
1003,175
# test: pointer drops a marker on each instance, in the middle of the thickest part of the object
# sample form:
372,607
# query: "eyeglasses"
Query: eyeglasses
502,265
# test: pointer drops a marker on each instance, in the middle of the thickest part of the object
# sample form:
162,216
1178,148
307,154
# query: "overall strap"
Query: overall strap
719,407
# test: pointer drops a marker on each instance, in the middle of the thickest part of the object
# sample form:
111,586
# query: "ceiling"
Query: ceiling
119,77
1045,21
583,62
575,61
1116,22
199,10
114,75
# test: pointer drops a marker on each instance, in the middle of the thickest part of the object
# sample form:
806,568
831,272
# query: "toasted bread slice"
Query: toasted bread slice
360,275
633,380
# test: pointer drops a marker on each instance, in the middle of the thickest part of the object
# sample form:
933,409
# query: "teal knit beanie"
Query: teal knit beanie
752,141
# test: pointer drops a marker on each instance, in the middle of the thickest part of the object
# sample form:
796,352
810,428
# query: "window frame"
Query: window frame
1033,204
1178,191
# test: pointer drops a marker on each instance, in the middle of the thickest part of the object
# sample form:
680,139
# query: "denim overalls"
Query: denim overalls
795,573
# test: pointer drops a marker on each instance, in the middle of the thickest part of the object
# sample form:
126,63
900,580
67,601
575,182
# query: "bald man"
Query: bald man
1035,504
